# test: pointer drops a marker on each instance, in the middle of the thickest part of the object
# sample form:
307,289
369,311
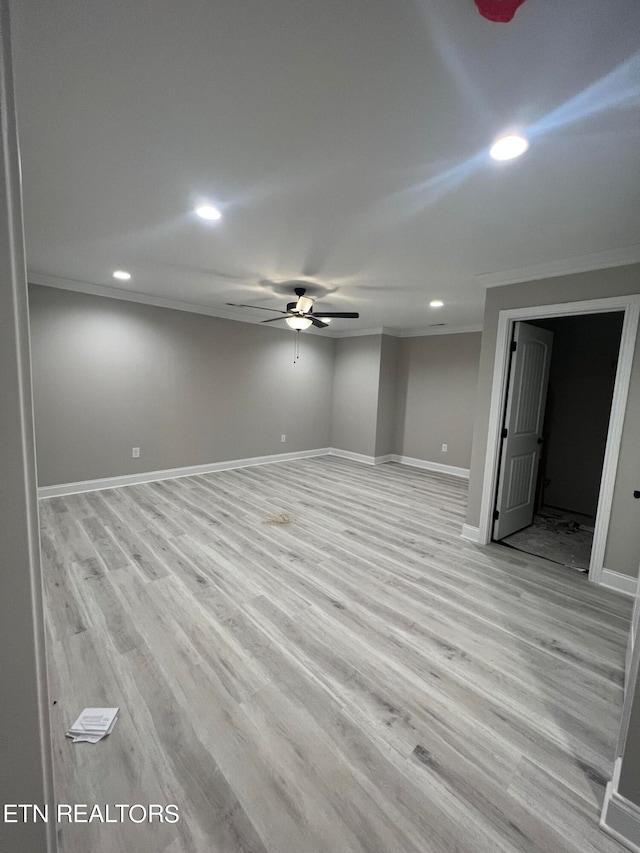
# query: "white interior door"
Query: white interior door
522,432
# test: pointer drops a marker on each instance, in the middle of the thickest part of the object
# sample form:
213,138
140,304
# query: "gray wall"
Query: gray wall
406,396
629,735
623,544
25,754
356,384
581,380
190,389
186,388
387,394
629,785
437,381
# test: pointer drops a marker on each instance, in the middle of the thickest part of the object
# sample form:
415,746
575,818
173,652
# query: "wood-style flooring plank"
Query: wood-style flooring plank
360,679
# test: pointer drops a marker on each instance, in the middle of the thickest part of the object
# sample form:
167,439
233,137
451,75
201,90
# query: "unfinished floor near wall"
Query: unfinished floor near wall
558,535
308,657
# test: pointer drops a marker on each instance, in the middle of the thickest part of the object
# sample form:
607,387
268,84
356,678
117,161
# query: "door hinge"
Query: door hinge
514,346
505,432
496,515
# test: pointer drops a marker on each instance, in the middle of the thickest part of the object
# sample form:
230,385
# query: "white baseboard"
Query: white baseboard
620,818
431,466
173,473
621,583
358,457
402,460
470,533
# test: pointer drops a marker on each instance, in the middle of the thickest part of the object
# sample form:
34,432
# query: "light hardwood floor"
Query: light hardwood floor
361,679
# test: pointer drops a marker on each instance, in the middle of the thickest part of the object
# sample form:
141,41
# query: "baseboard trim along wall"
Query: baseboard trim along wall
431,466
172,473
621,583
359,457
472,534
190,470
620,818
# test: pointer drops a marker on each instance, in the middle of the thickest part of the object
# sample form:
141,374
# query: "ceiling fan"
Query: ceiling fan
299,314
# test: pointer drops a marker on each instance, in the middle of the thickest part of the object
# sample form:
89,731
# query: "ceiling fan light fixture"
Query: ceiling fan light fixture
298,323
305,304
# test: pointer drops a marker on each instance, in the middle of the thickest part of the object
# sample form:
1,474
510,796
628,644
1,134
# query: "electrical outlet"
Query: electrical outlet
445,447
283,438
135,452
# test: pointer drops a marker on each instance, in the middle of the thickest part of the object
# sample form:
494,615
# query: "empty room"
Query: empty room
320,376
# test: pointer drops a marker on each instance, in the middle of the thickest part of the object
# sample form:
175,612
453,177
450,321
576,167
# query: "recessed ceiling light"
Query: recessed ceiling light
436,303
508,147
122,275
326,320
208,211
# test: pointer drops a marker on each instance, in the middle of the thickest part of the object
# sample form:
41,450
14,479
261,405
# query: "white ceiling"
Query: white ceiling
344,140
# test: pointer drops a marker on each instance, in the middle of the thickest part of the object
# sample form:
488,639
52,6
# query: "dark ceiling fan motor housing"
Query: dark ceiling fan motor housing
299,292
302,307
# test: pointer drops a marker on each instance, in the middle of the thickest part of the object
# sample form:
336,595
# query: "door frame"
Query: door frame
630,305
23,658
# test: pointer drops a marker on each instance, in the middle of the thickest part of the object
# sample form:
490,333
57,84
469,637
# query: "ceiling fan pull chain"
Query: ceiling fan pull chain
296,347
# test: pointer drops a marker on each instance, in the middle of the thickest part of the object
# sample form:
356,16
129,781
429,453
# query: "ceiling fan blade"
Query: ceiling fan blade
318,323
275,319
258,307
350,314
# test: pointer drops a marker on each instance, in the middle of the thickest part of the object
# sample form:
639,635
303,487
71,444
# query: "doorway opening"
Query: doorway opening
561,382
629,305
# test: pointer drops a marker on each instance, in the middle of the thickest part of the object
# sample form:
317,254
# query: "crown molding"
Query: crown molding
441,330
131,296
567,266
381,330
176,305
413,333
148,299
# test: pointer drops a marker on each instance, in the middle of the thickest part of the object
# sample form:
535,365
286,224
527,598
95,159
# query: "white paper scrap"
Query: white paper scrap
93,724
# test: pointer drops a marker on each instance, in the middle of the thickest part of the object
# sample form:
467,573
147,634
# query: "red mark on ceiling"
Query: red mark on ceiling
498,10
